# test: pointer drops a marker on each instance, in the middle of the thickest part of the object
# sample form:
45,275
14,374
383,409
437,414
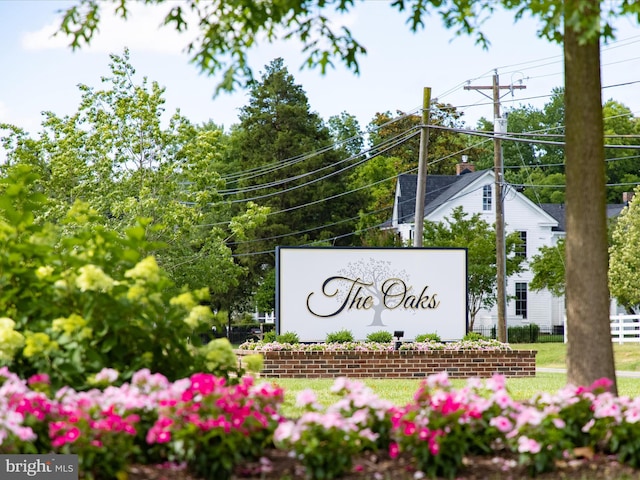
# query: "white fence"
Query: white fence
264,317
624,329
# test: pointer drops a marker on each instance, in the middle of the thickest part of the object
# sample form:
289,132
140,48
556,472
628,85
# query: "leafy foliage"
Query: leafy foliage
624,264
381,336
291,338
341,336
116,155
428,337
473,337
473,233
86,299
547,267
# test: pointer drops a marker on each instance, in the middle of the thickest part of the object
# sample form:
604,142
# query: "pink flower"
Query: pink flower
394,450
409,428
632,415
503,424
108,375
601,385
434,446
72,434
526,444
39,378
306,398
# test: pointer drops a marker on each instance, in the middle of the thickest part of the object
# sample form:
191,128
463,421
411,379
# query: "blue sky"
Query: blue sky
40,73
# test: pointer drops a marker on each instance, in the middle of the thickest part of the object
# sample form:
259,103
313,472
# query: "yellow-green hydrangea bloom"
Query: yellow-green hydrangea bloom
137,293
10,340
44,272
146,269
37,344
219,355
197,315
74,325
184,300
93,278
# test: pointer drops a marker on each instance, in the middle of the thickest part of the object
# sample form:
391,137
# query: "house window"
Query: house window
521,299
486,198
521,248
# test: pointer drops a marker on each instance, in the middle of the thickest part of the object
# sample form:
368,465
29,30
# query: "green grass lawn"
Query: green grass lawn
550,355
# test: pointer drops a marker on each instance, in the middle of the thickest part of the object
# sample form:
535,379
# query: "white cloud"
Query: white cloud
142,31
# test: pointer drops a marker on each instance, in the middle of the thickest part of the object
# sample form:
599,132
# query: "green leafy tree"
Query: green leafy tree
479,238
540,186
620,128
395,143
548,268
116,155
398,137
578,24
540,167
624,264
376,179
347,134
537,167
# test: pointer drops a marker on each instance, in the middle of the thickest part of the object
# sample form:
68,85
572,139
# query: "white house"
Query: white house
538,225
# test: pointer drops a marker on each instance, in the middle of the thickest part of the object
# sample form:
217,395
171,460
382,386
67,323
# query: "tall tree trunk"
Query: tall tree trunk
589,350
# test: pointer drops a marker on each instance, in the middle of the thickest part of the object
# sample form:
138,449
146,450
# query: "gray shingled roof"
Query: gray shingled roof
441,188
556,210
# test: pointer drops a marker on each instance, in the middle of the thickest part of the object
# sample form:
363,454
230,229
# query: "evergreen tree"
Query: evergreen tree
286,160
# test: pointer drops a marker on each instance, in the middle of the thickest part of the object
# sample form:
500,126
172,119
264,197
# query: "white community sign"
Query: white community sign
364,290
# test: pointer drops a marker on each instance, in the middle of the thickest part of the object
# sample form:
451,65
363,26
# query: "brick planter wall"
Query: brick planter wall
396,364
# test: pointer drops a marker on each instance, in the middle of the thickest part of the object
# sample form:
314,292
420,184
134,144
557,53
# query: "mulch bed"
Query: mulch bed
281,466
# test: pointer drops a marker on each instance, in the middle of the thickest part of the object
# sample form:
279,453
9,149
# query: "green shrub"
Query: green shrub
269,337
524,334
83,297
428,337
288,337
474,337
381,336
341,336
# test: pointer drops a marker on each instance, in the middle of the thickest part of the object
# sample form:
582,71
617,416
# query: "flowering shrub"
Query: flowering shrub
326,441
482,345
16,436
212,426
103,439
83,297
438,428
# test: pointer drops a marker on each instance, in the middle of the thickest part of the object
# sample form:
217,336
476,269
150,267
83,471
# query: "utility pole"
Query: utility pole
499,128
421,183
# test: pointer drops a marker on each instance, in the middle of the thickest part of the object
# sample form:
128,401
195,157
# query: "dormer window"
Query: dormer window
486,198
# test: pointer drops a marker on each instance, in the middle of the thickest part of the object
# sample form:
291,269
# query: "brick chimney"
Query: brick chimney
464,166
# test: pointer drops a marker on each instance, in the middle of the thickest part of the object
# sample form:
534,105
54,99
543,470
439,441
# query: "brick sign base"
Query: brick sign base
396,364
